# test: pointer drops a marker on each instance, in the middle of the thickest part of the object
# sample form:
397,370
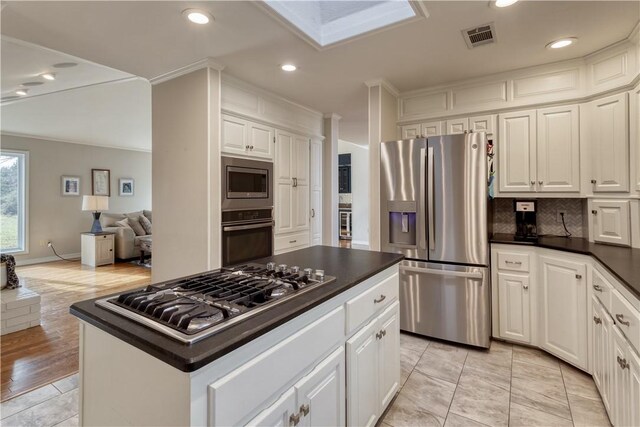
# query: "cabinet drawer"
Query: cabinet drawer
627,319
291,241
513,261
371,301
602,289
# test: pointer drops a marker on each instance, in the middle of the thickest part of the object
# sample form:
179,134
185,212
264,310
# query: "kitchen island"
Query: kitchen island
287,364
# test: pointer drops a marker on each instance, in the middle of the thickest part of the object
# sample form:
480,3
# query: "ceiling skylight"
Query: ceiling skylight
329,22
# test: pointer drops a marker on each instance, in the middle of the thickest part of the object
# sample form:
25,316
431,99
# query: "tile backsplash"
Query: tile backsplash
504,218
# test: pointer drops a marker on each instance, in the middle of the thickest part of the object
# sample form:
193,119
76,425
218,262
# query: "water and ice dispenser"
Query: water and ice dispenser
402,223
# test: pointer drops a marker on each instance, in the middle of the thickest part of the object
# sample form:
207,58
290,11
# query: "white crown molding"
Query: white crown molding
385,84
332,116
198,65
91,144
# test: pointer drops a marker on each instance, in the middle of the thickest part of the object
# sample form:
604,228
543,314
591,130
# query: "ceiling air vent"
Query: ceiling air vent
478,36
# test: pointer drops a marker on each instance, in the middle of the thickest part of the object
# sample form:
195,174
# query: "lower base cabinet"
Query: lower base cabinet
373,367
625,400
315,400
602,352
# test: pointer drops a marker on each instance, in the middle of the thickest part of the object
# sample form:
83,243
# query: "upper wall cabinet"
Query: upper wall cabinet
635,130
424,130
516,152
456,126
558,149
484,124
609,134
245,138
539,151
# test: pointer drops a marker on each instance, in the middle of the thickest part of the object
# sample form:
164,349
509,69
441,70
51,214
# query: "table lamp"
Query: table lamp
97,204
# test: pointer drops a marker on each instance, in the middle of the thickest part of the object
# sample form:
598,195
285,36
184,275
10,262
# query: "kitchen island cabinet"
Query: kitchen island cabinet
287,365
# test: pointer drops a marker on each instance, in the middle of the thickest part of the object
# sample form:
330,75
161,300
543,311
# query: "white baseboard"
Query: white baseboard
30,261
356,244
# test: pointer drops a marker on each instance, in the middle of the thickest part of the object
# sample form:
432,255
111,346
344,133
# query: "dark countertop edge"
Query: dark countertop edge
194,363
572,249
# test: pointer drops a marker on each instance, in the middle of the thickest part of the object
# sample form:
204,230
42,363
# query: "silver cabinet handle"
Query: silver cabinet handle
578,276
379,300
540,182
313,213
597,320
593,181
525,287
378,336
251,146
623,363
304,409
594,212
249,227
246,147
513,262
294,419
292,241
619,318
533,183
597,288
383,332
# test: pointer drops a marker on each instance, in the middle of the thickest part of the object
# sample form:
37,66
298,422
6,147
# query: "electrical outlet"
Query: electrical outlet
43,243
559,214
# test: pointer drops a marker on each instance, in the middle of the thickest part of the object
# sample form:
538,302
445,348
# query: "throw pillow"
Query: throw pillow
123,223
145,223
137,227
147,214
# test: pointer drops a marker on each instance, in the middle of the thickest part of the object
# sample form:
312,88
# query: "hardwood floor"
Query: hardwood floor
41,355
344,243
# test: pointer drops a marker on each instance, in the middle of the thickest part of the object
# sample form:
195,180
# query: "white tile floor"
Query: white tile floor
442,384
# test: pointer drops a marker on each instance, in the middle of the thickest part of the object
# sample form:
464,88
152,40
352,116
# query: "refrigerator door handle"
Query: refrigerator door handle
421,215
431,205
471,275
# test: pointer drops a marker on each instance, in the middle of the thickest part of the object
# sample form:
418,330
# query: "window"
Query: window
13,201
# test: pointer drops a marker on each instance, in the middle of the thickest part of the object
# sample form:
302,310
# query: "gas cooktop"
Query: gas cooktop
195,307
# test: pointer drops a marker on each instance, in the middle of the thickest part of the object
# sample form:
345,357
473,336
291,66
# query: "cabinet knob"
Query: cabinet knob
294,419
533,183
525,287
304,409
597,320
620,317
378,335
594,212
593,181
246,147
540,182
578,276
251,147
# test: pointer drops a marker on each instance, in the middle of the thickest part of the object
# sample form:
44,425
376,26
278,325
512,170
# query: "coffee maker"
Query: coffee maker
526,226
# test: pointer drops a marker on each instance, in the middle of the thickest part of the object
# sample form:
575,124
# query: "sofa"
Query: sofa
127,243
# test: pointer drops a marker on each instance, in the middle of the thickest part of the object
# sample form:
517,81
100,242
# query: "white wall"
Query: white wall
359,190
60,219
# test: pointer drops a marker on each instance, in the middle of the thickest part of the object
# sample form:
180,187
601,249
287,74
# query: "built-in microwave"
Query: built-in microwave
246,184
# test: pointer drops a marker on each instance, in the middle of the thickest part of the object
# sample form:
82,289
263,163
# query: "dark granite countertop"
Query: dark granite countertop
350,266
623,263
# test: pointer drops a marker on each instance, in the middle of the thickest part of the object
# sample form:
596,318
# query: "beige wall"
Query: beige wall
60,219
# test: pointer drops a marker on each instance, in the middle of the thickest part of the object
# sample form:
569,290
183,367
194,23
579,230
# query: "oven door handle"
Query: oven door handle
248,227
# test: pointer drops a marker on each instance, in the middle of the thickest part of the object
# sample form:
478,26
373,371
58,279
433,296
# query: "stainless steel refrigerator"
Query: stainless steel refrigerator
433,206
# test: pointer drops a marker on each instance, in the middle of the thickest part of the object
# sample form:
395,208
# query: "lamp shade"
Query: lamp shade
95,203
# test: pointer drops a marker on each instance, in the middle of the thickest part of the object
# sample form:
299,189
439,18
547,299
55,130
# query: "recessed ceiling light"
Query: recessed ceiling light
288,67
22,92
504,3
48,76
197,16
65,65
557,44
30,84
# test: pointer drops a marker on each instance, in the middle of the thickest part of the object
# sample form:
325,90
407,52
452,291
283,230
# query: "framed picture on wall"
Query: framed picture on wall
70,185
126,186
101,182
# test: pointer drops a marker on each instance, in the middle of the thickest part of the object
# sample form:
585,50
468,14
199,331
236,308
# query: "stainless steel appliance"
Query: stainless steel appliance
434,211
246,235
192,308
246,184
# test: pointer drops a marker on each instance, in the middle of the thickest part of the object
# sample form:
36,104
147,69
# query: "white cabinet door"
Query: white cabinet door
484,124
315,185
635,127
558,154
432,129
563,309
611,221
609,135
362,376
516,152
514,307
456,126
283,182
602,350
620,398
300,161
389,362
279,413
634,388
320,395
410,131
301,213
104,250
234,135
261,142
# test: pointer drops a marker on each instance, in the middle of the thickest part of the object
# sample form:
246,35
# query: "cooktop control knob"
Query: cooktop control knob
308,271
295,269
282,267
271,266
320,274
